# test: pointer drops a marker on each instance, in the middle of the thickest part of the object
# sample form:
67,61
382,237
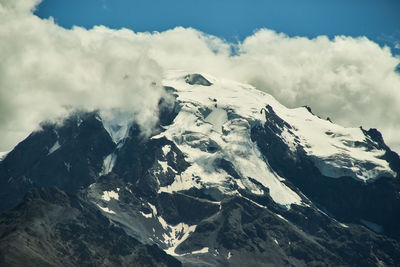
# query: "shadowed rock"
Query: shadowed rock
197,79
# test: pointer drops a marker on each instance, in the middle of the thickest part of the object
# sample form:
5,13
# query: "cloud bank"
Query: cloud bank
45,68
46,71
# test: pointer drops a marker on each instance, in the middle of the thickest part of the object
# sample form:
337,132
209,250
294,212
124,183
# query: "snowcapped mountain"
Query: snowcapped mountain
229,177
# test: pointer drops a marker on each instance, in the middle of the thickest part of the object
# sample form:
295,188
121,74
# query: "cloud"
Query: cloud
45,68
351,80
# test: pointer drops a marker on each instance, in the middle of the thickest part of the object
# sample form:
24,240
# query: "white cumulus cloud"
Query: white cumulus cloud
44,68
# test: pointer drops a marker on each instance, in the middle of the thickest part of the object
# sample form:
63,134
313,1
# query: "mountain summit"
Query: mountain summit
228,177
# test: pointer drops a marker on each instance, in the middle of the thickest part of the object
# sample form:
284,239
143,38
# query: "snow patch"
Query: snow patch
257,191
108,164
105,209
54,148
146,215
164,166
166,149
203,250
336,151
176,235
163,223
240,184
252,201
153,208
281,217
108,195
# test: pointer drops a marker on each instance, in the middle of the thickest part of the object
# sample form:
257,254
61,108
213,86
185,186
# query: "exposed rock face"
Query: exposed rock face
197,79
229,177
347,199
50,228
69,157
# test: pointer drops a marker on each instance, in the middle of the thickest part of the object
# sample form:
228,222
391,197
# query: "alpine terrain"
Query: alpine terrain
228,177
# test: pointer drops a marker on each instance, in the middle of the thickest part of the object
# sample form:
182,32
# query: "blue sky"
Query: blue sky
379,20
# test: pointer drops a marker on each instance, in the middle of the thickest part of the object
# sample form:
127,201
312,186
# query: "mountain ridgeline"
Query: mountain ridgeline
228,177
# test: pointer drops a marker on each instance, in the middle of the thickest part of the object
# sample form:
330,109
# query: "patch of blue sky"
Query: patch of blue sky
234,20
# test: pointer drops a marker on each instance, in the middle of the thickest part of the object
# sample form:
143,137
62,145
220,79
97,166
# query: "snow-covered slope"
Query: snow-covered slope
225,111
214,124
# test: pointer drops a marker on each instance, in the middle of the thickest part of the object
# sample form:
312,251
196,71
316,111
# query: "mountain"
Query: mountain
228,177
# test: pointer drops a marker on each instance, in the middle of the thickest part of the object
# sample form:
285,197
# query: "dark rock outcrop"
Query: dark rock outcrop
197,79
51,228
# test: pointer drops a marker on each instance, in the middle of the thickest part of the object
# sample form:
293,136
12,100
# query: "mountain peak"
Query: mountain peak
228,177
